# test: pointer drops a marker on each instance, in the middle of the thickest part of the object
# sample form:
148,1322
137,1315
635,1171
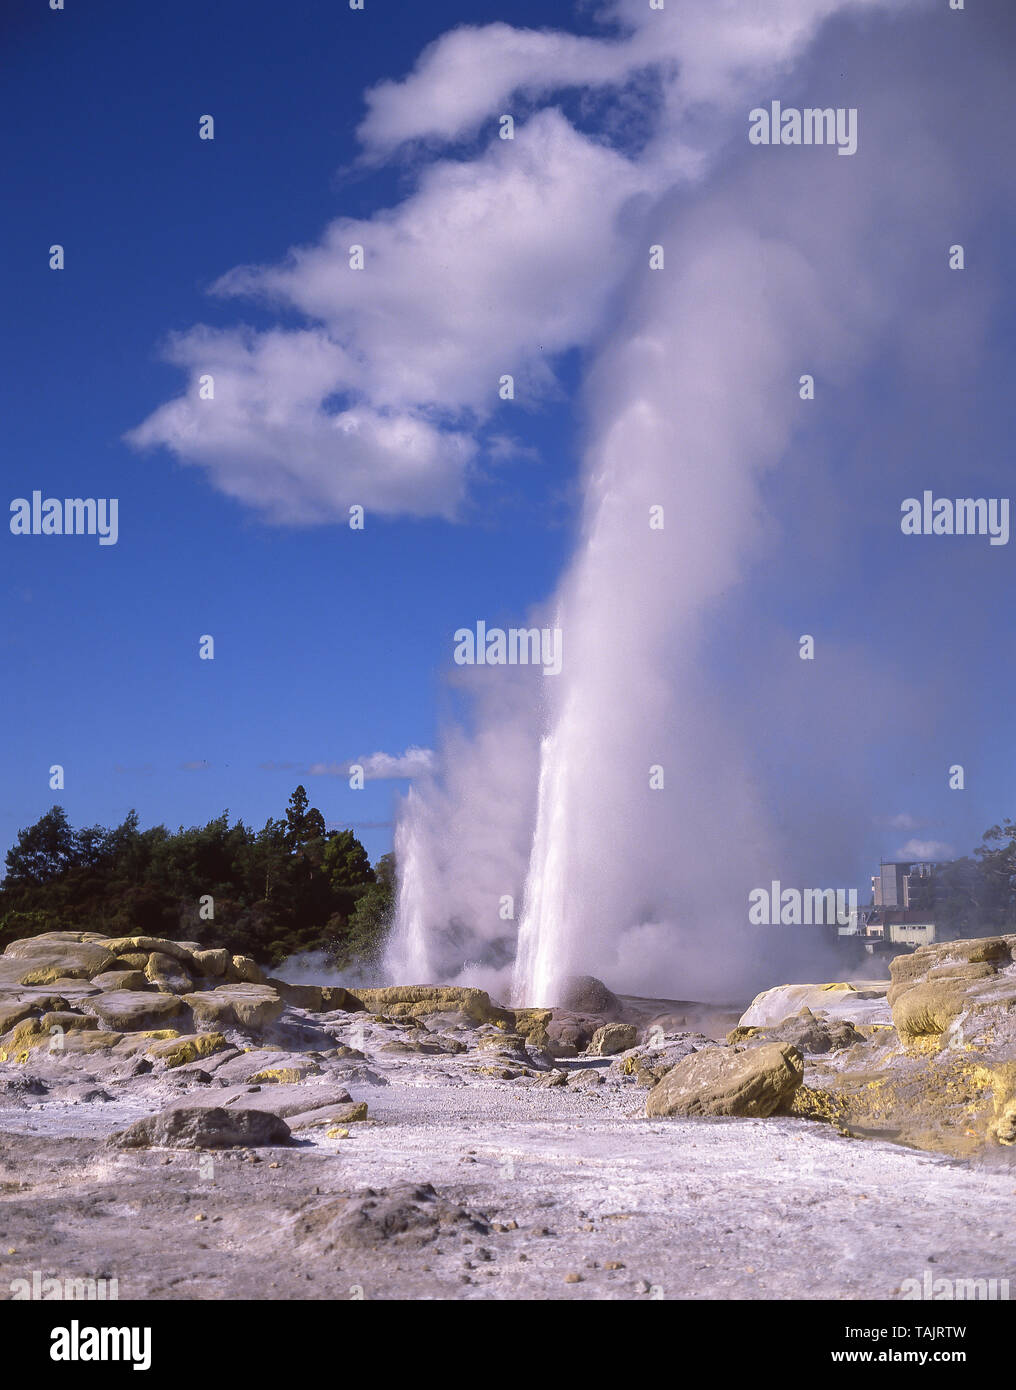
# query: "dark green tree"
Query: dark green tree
44,851
345,861
273,891
304,822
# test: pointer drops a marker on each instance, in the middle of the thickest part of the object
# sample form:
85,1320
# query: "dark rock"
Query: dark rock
404,1215
585,994
569,1033
84,1093
22,1085
203,1127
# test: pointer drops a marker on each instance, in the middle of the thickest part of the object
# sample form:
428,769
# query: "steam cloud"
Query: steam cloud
691,402
537,824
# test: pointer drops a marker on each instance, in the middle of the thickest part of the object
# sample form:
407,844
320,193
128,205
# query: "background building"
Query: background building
891,886
892,920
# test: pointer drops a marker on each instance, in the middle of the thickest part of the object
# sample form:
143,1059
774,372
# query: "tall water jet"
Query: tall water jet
652,819
408,959
540,961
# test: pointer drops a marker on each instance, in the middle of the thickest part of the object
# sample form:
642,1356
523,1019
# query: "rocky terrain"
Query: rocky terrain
172,1119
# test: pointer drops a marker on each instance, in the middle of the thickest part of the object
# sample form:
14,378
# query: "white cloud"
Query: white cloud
491,266
707,54
904,821
414,762
931,850
269,439
469,74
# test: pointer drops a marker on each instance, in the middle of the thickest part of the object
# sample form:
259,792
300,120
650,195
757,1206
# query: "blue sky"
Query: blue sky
328,642
332,644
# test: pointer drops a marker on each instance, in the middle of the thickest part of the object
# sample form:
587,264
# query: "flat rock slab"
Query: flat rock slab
38,960
289,1100
264,1061
209,1066
247,1006
131,1011
121,979
12,1010
324,1115
416,1001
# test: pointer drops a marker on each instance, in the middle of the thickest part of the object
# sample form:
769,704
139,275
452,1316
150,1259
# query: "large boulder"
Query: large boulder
754,1082
532,1025
167,974
244,970
568,1033
613,1038
585,994
967,984
213,962
204,1127
245,1006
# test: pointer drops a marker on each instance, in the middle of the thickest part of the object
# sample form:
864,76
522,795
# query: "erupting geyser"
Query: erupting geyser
656,810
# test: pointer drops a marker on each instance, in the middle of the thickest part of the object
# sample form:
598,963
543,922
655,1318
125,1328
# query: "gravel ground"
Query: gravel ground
539,1193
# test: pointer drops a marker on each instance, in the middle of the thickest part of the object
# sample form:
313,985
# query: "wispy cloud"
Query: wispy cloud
378,767
902,821
932,850
490,266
